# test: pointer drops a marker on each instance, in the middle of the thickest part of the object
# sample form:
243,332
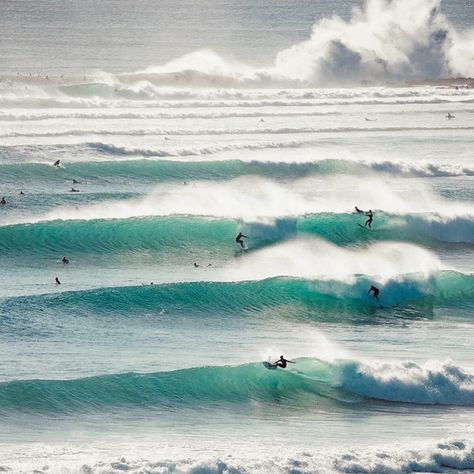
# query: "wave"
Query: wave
153,114
249,131
253,199
320,299
189,170
444,456
92,237
343,381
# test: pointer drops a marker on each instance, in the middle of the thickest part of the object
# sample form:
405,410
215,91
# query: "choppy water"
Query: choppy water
141,362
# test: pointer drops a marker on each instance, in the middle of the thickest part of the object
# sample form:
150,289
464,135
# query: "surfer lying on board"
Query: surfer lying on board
370,219
359,211
239,240
375,290
282,362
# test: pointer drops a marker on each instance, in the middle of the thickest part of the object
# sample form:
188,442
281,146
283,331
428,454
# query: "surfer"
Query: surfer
375,290
3,201
370,216
359,211
56,163
22,193
74,190
239,240
450,116
282,362
57,281
75,181
65,260
195,265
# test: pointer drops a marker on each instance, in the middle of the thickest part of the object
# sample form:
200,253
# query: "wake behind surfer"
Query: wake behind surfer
370,216
239,238
375,291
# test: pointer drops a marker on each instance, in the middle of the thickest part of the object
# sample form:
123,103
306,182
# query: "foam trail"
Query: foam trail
254,199
315,258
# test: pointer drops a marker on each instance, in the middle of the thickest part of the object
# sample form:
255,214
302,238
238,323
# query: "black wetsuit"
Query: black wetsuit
282,362
375,290
239,240
370,216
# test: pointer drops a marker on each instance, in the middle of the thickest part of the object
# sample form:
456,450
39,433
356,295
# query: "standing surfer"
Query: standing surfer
239,240
370,216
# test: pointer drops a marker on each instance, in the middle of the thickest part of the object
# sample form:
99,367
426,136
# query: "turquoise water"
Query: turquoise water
148,356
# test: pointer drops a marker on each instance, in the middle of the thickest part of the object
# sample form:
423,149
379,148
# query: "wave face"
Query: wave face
132,324
112,236
305,297
351,381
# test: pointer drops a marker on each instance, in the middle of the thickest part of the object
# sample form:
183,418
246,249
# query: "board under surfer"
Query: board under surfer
239,240
375,290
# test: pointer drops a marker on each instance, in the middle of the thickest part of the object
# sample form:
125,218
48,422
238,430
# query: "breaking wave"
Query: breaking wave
344,381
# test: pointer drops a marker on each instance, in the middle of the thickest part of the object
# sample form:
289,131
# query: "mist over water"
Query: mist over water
177,125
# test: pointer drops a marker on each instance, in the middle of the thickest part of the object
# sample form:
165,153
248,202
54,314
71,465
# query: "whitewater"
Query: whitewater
178,125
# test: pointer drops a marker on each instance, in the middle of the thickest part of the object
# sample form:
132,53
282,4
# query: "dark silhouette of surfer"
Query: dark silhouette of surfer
3,201
359,211
65,260
370,216
450,116
57,281
375,291
56,163
282,362
239,240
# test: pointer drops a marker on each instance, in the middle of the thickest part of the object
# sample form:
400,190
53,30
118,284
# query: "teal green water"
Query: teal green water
147,356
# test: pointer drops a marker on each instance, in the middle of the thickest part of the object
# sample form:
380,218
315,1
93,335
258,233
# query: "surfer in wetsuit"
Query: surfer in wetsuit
359,211
370,216
239,240
375,290
3,201
65,260
450,116
57,281
282,362
56,163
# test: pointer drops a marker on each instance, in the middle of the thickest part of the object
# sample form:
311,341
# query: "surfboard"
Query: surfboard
363,227
269,365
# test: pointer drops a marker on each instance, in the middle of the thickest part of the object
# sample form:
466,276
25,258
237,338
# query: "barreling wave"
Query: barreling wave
343,381
101,236
324,299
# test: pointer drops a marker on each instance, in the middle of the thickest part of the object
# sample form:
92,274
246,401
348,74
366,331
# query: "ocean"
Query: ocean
176,125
